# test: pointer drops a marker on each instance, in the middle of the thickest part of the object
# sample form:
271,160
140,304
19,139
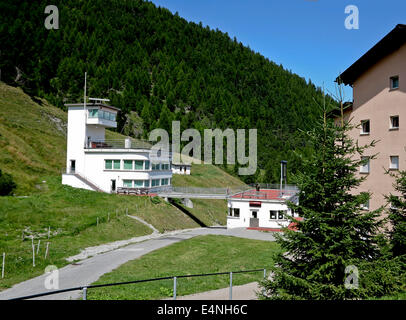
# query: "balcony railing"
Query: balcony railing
118,144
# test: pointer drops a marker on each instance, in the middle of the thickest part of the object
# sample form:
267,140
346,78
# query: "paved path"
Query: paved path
244,292
91,269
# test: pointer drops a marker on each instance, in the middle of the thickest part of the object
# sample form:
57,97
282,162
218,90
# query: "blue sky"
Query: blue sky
307,37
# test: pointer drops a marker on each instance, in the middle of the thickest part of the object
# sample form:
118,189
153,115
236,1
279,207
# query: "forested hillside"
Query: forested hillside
157,67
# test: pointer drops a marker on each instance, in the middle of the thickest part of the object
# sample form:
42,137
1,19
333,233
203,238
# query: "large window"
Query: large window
146,163
128,164
138,183
108,164
146,183
155,166
155,182
93,113
127,183
139,164
116,164
164,182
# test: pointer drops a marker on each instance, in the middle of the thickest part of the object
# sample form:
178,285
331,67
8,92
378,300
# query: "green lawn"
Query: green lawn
203,254
72,216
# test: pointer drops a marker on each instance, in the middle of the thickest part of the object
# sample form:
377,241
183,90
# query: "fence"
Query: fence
84,289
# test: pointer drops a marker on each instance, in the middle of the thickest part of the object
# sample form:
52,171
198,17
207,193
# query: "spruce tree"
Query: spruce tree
335,231
397,216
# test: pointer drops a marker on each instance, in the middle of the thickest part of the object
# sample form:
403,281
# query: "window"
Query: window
237,212
272,214
108,164
112,117
128,164
155,166
230,212
146,165
165,166
365,127
138,183
127,183
394,163
164,182
281,215
139,164
155,182
394,82
365,165
146,183
93,113
365,206
394,122
116,164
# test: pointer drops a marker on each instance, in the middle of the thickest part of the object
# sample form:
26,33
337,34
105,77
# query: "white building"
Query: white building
263,209
181,168
94,163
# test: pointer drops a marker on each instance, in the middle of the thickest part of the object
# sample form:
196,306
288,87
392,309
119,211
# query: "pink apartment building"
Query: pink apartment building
378,80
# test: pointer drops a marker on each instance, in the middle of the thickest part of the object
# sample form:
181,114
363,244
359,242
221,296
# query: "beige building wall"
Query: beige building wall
376,102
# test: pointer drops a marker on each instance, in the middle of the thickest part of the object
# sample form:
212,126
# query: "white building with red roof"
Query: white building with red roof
262,208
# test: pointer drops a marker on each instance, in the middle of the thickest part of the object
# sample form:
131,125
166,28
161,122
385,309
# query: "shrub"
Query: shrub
7,185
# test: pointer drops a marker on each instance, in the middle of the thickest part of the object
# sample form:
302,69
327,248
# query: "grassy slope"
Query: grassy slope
203,254
211,212
32,149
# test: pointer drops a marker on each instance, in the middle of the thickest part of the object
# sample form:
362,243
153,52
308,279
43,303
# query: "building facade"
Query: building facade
262,209
378,80
95,163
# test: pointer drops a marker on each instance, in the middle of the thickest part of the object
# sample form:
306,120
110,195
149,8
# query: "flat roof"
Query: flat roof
90,105
390,43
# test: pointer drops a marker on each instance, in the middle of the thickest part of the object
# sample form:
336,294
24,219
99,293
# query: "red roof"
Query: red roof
263,194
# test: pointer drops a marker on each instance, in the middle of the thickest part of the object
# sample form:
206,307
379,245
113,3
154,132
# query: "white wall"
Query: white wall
76,137
263,214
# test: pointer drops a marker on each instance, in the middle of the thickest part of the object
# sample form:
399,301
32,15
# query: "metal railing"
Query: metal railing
118,144
85,289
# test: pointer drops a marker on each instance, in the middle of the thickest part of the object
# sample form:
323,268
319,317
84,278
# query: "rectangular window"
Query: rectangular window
365,166
365,127
108,164
394,122
116,164
155,166
146,183
236,212
128,164
127,183
146,163
281,215
394,163
138,183
394,82
112,117
365,205
164,182
139,164
272,214
155,182
93,113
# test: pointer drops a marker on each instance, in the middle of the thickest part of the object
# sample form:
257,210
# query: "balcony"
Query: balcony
118,144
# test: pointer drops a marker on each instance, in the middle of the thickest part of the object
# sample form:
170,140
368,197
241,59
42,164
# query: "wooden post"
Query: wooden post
39,241
108,217
97,221
49,231
2,269
22,237
126,211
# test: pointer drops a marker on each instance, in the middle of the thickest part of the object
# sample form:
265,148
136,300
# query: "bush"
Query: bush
7,185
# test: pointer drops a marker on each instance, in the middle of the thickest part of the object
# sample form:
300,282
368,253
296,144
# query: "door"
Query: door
254,221
72,166
113,185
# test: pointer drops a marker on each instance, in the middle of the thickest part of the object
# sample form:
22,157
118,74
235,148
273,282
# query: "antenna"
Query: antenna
283,174
84,108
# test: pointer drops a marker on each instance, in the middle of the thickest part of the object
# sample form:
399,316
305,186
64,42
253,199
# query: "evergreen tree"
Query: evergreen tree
335,232
397,216
7,184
